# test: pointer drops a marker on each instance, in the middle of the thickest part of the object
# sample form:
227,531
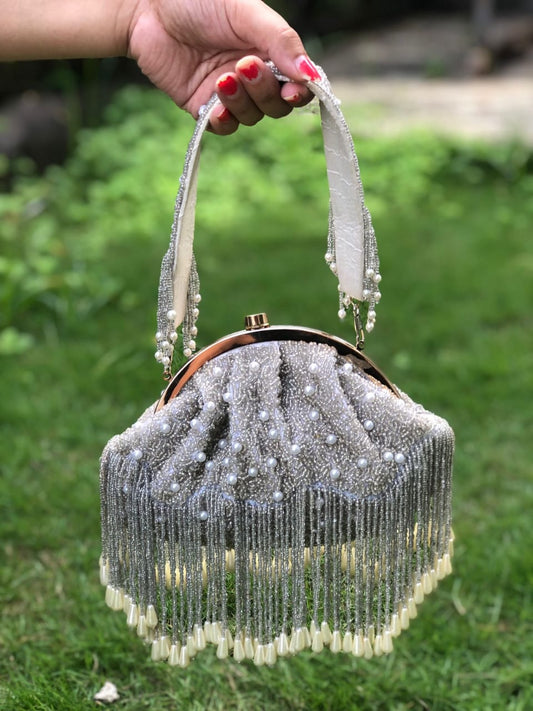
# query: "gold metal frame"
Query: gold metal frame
262,335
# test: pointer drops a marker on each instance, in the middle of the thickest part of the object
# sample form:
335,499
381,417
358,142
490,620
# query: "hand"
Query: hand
189,47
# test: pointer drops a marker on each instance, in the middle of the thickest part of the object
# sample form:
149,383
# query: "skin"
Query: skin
187,48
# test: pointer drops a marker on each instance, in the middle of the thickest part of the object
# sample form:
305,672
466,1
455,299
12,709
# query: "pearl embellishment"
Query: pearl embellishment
313,368
362,463
334,473
314,415
203,515
331,439
309,390
264,416
399,458
295,449
277,496
232,479
137,454
368,425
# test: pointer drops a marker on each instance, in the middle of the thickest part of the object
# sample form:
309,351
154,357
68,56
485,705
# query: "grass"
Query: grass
454,331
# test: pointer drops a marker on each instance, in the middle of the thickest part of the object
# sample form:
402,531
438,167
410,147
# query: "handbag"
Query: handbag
282,494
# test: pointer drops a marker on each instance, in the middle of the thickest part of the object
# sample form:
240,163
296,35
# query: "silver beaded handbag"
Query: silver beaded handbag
282,494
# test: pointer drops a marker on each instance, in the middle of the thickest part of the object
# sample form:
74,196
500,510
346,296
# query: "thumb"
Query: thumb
275,38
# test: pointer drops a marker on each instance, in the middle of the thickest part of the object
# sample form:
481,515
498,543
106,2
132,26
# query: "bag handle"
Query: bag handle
352,251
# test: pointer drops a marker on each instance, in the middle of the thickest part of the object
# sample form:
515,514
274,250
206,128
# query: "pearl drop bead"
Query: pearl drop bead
203,516
254,366
195,313
200,457
377,278
232,479
368,425
277,496
309,390
195,424
366,293
174,486
187,352
192,344
399,458
314,415
328,257
313,368
165,344
236,447
377,296
158,336
295,449
165,360
331,439
388,456
370,273
271,462
194,331
197,298
252,471
372,315
137,454
369,326
164,427
171,314
341,313
157,355
264,416
174,336
334,473
362,463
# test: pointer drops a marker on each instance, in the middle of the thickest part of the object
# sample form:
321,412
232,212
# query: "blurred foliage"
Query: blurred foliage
116,191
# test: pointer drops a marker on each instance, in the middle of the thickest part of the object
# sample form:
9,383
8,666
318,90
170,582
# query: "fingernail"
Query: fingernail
293,99
227,85
307,68
250,70
224,115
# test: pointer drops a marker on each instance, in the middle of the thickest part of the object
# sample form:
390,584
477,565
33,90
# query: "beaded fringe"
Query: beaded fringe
260,582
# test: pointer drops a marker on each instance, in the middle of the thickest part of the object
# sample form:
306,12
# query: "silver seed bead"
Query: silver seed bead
334,473
368,425
277,496
331,439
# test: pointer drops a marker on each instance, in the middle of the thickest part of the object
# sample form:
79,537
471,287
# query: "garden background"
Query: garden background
80,247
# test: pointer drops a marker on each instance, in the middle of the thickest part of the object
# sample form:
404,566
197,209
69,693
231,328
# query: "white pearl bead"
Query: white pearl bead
174,486
187,352
341,313
334,473
197,298
137,454
372,315
195,313
164,427
331,439
254,366
333,267
165,344
227,396
320,501
370,273
217,371
200,457
165,360
236,447
277,496
377,296
225,462
271,462
377,278
125,488
273,433
171,314
252,471
209,466
314,415
157,355
210,406
369,397
232,479
194,331
192,344
347,368
366,293
362,463
388,456
313,368
174,336
264,416
295,449
203,516
195,424
328,257
368,425
158,336
222,443
369,326
309,390
399,458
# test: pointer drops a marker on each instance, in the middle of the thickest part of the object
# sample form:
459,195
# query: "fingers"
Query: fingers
251,92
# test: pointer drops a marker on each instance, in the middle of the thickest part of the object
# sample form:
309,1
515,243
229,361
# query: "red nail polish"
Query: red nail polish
250,71
227,85
224,115
308,69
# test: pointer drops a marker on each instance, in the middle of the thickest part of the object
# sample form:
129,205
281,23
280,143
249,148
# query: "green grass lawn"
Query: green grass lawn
454,330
